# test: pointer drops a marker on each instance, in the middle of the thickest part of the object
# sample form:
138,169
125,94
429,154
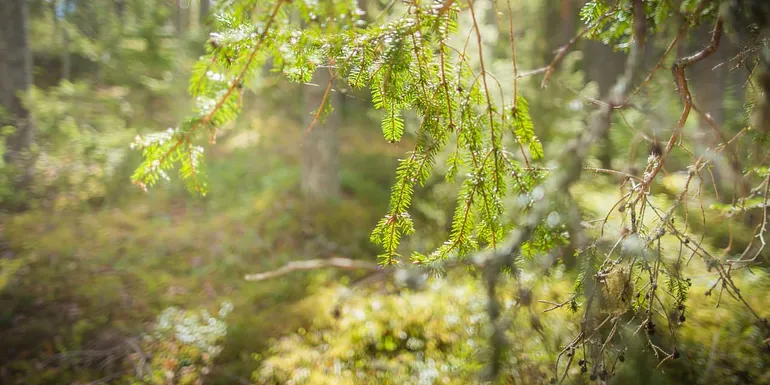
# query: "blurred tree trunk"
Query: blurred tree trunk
203,12
120,10
554,27
558,22
603,65
16,78
178,17
66,67
320,164
709,81
60,8
568,19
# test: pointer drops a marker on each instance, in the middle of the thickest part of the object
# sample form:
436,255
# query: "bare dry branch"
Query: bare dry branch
313,264
680,79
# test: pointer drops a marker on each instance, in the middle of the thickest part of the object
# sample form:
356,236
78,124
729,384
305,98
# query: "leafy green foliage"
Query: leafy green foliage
80,143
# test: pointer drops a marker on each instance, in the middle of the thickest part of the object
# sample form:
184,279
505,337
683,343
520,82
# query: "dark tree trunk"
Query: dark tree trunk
120,10
568,10
203,13
178,17
66,65
709,79
61,30
603,65
15,78
320,165
557,23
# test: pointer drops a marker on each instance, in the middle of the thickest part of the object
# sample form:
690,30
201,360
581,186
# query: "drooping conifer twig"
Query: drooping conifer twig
515,98
205,120
490,110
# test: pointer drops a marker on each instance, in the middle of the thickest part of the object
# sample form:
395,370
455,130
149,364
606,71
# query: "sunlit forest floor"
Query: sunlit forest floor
95,274
94,277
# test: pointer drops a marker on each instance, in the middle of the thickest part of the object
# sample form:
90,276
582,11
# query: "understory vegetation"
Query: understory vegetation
386,192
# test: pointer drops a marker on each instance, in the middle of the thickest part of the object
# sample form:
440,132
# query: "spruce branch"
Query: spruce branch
181,138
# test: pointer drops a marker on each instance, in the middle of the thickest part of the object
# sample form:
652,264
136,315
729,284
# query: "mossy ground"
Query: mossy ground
91,277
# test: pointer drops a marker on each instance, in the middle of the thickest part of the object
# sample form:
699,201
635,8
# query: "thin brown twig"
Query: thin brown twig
445,7
513,54
678,70
532,72
490,110
684,27
615,172
555,305
323,102
657,66
313,264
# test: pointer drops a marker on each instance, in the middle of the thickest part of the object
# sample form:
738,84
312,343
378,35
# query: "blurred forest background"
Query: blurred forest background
104,283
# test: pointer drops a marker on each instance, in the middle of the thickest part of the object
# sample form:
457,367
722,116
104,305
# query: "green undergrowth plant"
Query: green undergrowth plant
389,334
393,335
181,348
80,146
66,295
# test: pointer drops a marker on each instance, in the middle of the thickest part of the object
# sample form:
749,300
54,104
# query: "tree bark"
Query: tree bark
203,13
709,79
568,10
59,9
603,65
178,18
320,164
120,10
66,66
15,78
